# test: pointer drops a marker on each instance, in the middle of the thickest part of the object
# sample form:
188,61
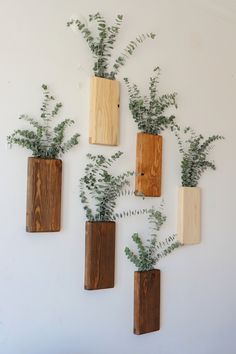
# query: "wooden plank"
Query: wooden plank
189,215
43,209
148,165
147,301
99,255
104,111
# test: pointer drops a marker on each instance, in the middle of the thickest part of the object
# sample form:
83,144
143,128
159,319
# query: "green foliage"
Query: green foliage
195,150
43,141
98,185
151,252
149,111
102,43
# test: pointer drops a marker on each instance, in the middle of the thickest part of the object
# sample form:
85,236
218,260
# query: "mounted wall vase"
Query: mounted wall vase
104,111
146,301
148,165
99,255
43,210
189,215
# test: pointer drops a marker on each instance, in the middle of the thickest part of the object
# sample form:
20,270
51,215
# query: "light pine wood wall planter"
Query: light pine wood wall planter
146,301
148,165
189,215
99,255
43,210
104,111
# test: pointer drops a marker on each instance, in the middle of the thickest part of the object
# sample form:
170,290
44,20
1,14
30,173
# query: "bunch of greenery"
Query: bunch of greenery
195,150
45,142
151,252
149,111
101,187
102,43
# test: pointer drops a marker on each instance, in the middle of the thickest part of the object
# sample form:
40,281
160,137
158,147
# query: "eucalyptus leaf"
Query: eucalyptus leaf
45,142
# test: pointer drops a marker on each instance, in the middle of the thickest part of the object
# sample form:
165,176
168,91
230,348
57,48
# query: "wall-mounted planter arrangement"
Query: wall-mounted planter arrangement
99,255
194,149
148,111
47,144
146,301
147,278
104,97
103,188
43,211
189,215
104,111
148,165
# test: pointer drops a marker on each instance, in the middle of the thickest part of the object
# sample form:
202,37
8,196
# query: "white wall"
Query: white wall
43,307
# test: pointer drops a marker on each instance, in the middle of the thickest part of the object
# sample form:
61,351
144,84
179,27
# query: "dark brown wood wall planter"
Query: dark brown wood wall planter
99,255
43,210
146,301
148,165
104,111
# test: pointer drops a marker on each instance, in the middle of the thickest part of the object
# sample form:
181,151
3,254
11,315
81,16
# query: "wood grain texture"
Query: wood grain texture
99,255
43,209
189,215
104,111
147,301
148,165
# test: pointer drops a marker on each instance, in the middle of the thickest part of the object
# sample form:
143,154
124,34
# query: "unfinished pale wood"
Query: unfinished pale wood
189,215
104,111
148,165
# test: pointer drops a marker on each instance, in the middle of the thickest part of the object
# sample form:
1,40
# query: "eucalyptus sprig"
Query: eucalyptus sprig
153,250
44,141
148,111
194,150
99,189
101,43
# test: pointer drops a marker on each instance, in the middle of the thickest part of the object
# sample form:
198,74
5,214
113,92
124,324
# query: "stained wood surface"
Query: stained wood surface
104,111
99,255
43,209
148,165
147,301
189,215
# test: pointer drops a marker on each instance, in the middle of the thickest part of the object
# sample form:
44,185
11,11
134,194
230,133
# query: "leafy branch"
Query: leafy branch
98,186
148,111
150,253
194,151
101,43
45,142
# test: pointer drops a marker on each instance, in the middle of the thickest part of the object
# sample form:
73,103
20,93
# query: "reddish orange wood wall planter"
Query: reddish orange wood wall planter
99,255
43,210
148,165
146,301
